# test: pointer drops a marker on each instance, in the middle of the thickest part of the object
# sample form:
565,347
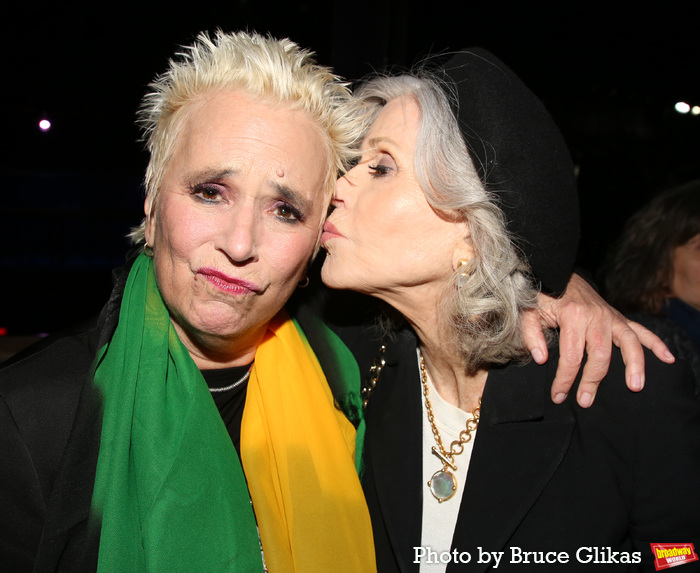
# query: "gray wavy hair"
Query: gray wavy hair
278,71
485,300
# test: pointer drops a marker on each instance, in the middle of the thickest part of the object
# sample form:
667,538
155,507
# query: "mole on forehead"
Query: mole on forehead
280,172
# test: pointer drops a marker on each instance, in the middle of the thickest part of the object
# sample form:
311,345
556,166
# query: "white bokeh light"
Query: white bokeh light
682,107
695,110
44,125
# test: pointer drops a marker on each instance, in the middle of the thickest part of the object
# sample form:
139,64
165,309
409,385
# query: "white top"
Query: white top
439,519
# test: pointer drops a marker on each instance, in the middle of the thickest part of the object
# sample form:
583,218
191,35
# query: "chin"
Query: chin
329,275
212,319
344,281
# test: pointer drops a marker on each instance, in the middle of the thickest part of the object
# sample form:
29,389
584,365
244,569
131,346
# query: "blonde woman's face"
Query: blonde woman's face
237,219
383,238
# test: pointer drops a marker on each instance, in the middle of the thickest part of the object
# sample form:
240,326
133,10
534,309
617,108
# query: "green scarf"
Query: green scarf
169,491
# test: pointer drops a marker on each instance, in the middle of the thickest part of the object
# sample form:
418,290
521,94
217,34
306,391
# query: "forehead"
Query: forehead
689,249
232,130
399,121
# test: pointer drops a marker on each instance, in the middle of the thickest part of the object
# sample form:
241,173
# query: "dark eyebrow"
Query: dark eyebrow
210,174
216,174
293,196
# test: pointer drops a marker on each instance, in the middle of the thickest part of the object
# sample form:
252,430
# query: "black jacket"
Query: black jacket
50,424
620,475
50,419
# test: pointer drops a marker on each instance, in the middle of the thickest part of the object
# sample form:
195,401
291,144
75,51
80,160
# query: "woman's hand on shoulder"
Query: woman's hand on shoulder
587,322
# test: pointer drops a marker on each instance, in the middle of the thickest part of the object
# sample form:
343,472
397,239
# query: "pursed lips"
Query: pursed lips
329,232
226,283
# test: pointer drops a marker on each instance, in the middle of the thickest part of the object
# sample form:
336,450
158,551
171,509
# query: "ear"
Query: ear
150,227
463,246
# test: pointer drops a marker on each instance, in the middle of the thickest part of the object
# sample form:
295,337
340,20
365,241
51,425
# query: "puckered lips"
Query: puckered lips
329,232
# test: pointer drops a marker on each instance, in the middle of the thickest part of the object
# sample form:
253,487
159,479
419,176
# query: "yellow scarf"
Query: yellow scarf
298,453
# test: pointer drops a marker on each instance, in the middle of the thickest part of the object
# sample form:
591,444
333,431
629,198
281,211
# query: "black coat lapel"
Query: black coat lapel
522,439
393,450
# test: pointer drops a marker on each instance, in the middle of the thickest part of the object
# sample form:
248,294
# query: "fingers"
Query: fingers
652,342
630,336
589,328
627,335
632,356
597,341
533,336
587,322
599,351
571,344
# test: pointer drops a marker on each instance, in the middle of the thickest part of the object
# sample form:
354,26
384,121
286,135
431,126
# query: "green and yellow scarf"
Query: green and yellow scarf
170,493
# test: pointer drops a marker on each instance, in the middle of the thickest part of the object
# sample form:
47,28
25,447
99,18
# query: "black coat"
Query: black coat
50,425
542,477
50,420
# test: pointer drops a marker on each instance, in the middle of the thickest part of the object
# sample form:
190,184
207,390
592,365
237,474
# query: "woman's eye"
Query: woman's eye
379,170
382,165
207,193
286,212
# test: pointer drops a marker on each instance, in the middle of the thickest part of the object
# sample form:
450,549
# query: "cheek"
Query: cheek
178,236
179,230
693,278
391,227
289,256
377,221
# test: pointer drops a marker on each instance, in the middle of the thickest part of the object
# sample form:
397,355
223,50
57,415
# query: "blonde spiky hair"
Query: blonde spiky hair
278,71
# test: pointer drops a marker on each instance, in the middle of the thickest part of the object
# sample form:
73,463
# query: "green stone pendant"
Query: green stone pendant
443,485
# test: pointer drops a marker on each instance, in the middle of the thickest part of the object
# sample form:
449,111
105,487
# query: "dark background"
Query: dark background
610,73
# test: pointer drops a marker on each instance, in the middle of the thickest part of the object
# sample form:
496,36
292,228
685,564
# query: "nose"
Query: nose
239,236
343,188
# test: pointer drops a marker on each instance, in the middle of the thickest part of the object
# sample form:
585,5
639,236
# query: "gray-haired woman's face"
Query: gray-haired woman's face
383,238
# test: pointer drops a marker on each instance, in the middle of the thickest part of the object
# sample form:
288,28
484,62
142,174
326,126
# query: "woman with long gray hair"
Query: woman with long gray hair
464,190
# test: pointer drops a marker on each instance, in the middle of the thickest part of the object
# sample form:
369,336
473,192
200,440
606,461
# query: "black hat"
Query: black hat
521,156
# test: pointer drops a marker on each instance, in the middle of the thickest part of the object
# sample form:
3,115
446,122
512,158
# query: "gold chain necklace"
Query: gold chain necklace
443,483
